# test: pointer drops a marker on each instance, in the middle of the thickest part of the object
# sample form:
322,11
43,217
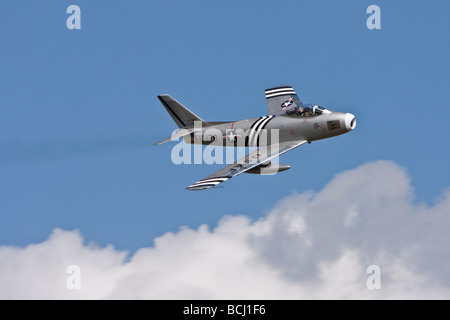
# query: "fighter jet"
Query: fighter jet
288,125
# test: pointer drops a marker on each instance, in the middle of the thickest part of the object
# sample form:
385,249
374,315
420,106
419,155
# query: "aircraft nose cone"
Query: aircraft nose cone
350,121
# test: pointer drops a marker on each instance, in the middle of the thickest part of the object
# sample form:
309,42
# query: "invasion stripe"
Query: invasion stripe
201,187
255,127
262,128
213,179
269,91
205,184
278,91
209,181
263,124
255,122
283,93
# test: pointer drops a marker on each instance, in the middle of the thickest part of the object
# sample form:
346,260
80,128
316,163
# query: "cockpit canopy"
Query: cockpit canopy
308,110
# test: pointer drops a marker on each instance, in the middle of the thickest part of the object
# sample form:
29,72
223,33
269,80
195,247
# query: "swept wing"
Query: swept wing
251,160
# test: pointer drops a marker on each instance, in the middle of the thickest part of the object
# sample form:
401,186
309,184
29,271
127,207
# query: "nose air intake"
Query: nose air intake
350,121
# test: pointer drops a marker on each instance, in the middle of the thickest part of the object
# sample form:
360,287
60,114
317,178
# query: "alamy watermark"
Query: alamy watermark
374,280
74,20
73,281
374,20
222,147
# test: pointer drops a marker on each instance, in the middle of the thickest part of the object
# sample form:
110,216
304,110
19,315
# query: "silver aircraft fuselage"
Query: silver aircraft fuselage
288,124
281,128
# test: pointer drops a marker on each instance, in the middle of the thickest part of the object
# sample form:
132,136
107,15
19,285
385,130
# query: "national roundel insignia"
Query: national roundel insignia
287,103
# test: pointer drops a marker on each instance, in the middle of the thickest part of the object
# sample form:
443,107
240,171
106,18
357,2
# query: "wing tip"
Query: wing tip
198,188
207,183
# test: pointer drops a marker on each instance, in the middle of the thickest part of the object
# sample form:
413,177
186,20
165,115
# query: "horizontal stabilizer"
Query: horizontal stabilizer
179,133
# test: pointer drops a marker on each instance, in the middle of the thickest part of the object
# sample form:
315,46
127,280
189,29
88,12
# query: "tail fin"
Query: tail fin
182,116
281,99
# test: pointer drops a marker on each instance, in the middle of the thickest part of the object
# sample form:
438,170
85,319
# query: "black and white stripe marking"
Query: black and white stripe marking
207,183
262,128
256,128
277,92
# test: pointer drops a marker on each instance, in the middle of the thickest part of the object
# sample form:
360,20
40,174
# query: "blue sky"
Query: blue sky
79,113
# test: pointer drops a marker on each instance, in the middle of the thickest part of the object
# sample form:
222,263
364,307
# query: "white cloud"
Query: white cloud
311,245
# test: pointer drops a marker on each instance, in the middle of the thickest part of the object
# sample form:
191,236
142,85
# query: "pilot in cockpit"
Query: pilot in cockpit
307,111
